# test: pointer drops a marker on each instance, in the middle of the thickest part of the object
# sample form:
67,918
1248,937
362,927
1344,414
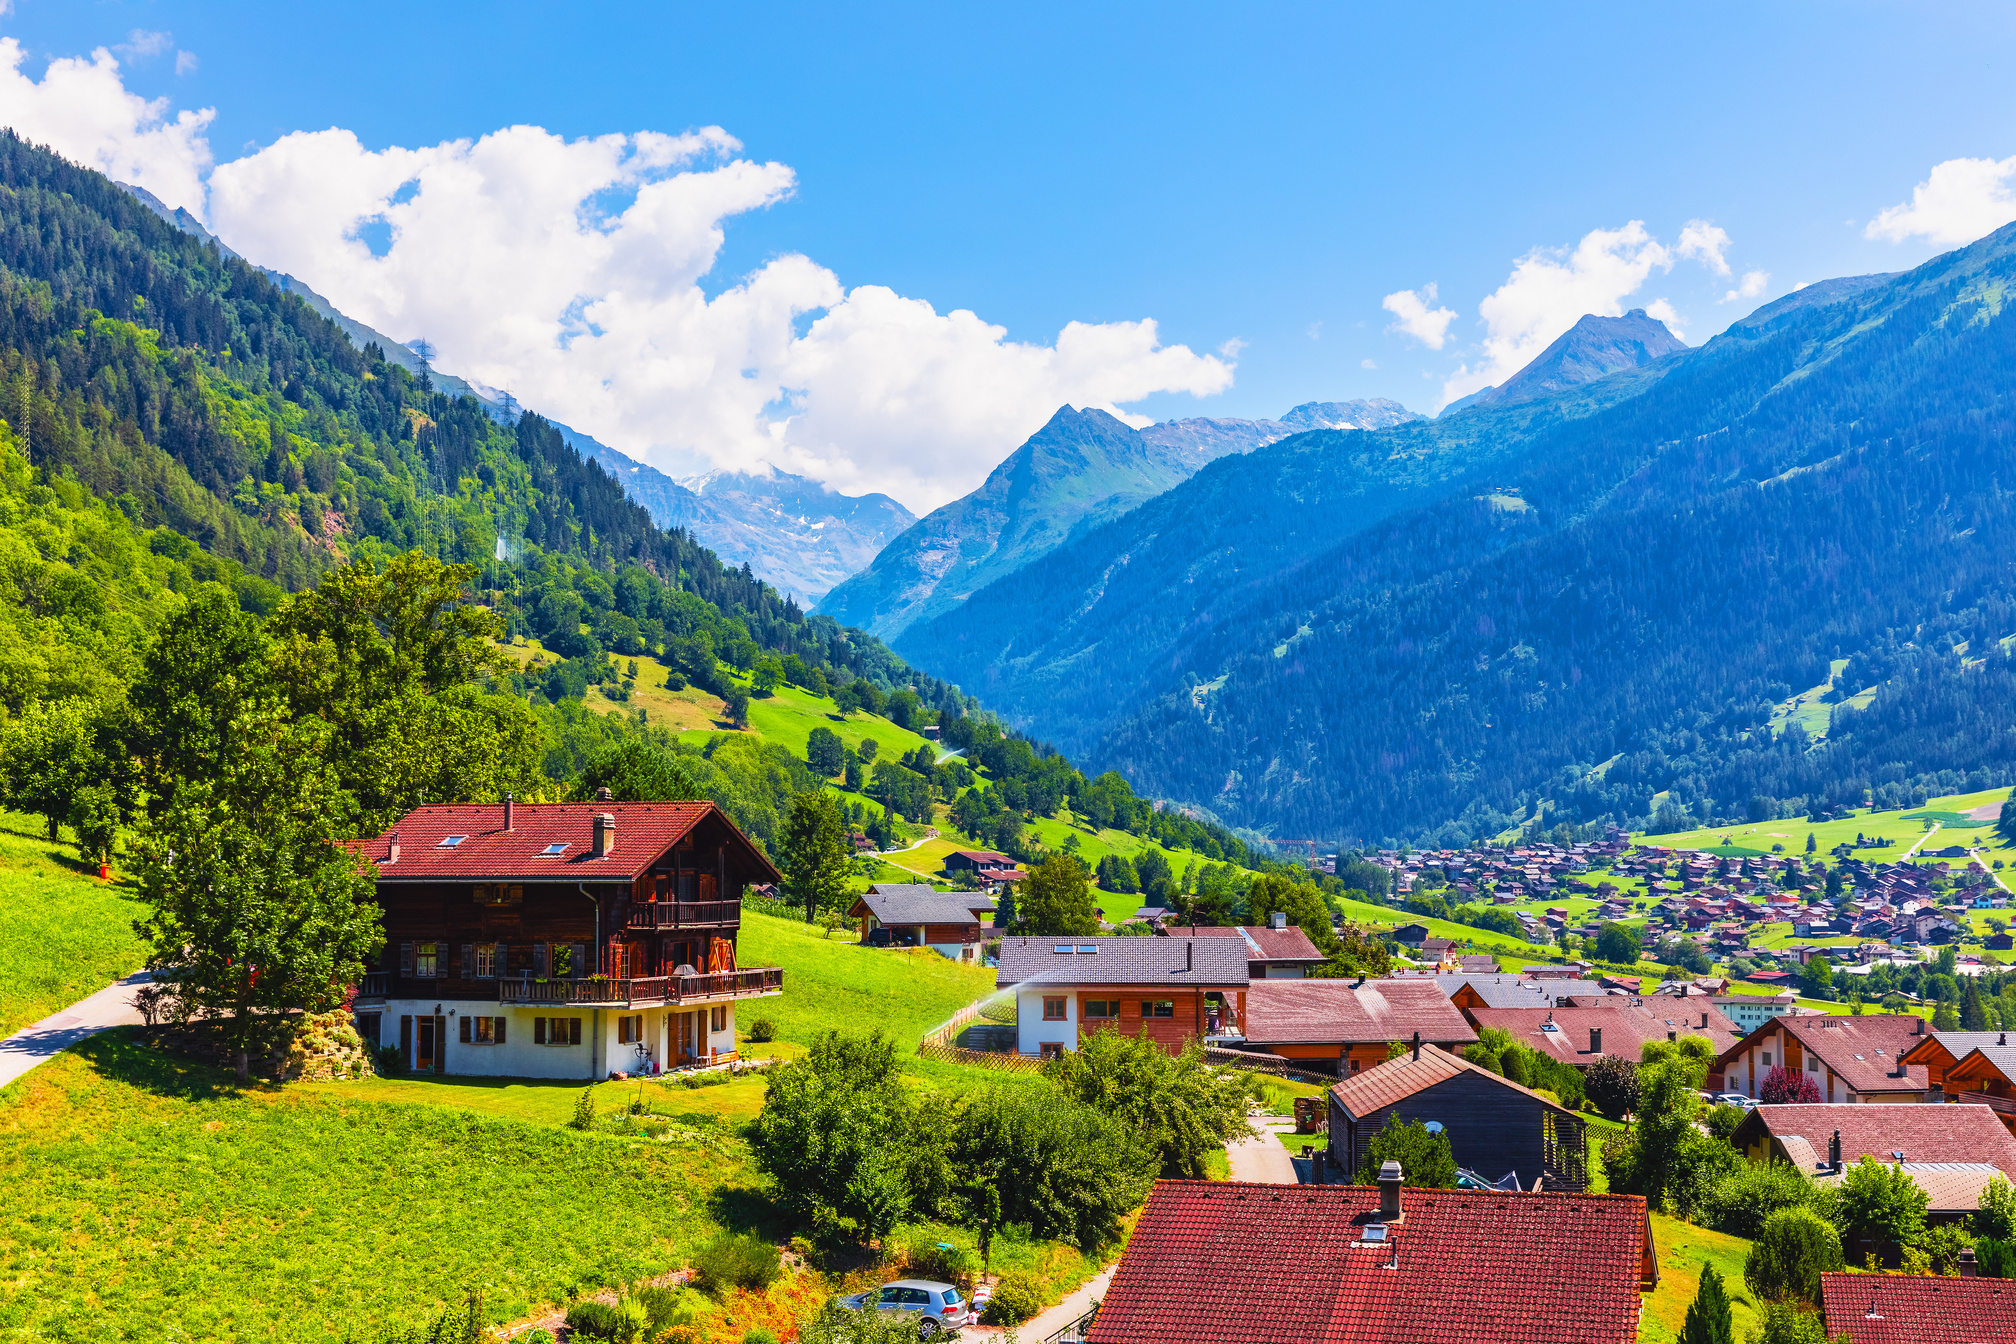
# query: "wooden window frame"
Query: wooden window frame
427,961
1109,1010
1056,1008
1152,1009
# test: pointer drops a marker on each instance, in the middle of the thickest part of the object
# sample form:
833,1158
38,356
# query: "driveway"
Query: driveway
111,1006
1259,1157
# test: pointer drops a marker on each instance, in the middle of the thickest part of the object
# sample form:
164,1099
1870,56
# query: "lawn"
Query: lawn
150,1200
1904,827
837,983
1683,1250
63,933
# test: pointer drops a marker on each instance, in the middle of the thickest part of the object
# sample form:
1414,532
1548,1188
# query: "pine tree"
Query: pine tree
1708,1319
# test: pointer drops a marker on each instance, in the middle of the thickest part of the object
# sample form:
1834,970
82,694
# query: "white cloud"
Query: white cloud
1703,242
1752,284
81,110
1367,364
1315,331
185,62
1430,326
571,272
1959,200
141,44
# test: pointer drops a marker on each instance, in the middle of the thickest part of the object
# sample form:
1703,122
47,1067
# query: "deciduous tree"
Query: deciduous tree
1180,1106
1056,901
815,854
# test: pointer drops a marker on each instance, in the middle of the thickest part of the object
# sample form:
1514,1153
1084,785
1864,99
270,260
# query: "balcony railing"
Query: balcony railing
2000,1105
684,915
646,991
374,984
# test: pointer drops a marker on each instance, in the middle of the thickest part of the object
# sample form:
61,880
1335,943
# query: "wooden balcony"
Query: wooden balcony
374,985
2002,1106
655,991
669,915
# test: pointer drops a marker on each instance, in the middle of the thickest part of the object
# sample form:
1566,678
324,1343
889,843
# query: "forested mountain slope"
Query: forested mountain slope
1828,479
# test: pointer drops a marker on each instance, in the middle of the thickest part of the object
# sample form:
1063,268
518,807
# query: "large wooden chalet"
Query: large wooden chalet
570,940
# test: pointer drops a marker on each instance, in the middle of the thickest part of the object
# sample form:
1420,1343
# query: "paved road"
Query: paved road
1260,1157
111,1006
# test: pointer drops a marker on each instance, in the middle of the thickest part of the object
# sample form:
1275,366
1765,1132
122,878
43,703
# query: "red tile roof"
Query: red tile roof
1325,1012
1919,1309
1226,1263
1956,1132
1262,943
1862,1051
1563,1033
1397,1079
488,851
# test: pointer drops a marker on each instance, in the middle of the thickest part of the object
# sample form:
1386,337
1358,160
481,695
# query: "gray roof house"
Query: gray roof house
917,915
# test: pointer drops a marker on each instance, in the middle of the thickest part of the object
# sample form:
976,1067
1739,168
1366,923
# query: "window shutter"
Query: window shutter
581,961
539,959
573,1031
405,958
500,1030
466,1019
538,1031
468,966
503,960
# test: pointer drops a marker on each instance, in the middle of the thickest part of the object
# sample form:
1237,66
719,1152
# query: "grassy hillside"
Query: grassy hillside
1904,827
63,933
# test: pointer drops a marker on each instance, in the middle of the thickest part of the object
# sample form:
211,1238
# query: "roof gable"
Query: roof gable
1398,1079
1345,1011
1948,1133
1919,1309
487,851
1203,963
1228,1263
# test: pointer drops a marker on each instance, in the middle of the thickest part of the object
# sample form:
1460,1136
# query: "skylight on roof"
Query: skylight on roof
1372,1232
1088,949
450,841
553,851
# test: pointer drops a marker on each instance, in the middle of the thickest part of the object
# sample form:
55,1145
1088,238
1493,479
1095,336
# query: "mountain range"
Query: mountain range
1082,469
1586,597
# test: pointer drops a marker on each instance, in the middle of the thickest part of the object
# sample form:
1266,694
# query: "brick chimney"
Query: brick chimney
602,795
1595,1040
1834,1151
1278,920
508,803
605,834
1390,1178
393,856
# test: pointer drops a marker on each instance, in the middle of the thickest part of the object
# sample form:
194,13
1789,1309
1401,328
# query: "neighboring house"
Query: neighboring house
1411,935
987,867
1918,1309
565,940
1849,1059
1506,991
1582,1030
1275,952
916,915
1751,1011
1347,1025
1986,1076
1228,1263
1495,1126
1804,1135
1168,989
1938,1051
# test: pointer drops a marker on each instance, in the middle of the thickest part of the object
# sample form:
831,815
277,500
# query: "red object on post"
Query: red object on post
105,872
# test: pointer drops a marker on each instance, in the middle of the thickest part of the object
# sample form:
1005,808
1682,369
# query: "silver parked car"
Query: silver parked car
940,1307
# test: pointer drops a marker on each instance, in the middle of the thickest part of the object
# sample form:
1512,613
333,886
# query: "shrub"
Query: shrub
936,1260
1424,1155
1740,1202
1722,1120
1017,1298
667,1307
1882,1203
537,1335
1997,1216
756,1334
1942,1245
735,1260
1793,1323
1709,1320
1783,1086
584,1109
762,1029
600,1321
389,1062
1997,1259
1794,1249
1611,1084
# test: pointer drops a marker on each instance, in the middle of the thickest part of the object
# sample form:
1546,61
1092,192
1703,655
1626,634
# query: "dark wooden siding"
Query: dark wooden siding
1492,1128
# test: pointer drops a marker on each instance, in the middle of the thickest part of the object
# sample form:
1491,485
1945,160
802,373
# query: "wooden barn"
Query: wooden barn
1495,1126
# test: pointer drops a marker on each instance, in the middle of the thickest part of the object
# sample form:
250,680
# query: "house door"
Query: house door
426,1046
686,1021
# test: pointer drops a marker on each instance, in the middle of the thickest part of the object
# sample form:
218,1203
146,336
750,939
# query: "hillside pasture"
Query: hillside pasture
64,934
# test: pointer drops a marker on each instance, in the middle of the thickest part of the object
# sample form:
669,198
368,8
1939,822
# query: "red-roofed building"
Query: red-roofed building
1918,1309
1347,1025
1273,952
1226,1263
1580,1030
1849,1059
566,940
1804,1135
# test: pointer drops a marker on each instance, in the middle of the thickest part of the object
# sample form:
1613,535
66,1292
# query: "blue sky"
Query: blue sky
1264,176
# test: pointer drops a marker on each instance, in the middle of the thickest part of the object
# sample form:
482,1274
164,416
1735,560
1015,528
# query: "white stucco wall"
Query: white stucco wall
1032,1032
518,1057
